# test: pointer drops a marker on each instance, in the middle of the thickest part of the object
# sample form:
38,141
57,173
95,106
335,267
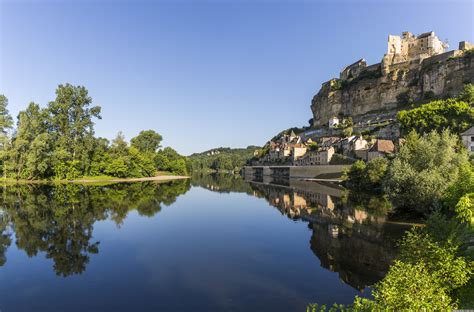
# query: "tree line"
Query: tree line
59,142
221,159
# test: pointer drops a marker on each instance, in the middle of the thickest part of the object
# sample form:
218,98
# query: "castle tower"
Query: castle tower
409,47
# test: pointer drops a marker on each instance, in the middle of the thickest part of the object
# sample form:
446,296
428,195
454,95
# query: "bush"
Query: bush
423,170
410,287
452,114
367,177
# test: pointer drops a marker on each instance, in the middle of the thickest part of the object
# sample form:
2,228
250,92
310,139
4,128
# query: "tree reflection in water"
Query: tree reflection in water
351,232
59,219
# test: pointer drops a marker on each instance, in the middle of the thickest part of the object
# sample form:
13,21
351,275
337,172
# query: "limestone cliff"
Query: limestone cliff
383,87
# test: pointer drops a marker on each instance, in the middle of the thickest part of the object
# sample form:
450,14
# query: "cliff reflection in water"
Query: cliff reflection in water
58,219
351,233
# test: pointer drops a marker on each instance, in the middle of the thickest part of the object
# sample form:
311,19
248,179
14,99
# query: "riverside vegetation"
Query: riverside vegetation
431,177
58,143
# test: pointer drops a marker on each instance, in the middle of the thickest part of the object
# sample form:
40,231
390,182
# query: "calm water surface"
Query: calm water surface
215,243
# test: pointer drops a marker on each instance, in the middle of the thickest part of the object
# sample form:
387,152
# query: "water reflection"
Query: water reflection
58,220
351,233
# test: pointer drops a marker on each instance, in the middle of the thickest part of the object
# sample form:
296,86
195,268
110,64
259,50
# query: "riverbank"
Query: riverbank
101,179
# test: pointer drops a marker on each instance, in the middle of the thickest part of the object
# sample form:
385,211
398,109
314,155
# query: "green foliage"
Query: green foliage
423,170
147,141
410,287
467,94
224,159
169,160
313,146
336,84
362,176
347,132
453,114
440,259
58,142
117,168
463,185
465,208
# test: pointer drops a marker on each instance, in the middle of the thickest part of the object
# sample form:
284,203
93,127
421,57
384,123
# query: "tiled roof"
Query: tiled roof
383,146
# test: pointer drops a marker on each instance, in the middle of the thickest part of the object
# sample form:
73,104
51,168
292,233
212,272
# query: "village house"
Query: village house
329,141
316,158
380,148
298,150
355,146
468,140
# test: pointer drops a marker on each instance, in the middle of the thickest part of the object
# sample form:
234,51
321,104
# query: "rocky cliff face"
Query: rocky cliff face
439,76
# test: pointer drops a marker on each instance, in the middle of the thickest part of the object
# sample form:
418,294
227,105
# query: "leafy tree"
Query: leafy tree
467,94
370,176
423,170
452,114
32,126
170,160
410,287
147,141
6,123
459,196
71,121
119,145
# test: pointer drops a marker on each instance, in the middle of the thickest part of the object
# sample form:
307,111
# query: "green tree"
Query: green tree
71,122
6,123
423,170
467,94
367,177
452,114
147,141
31,127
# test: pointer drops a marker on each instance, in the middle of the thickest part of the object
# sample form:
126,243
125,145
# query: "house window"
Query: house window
472,148
472,139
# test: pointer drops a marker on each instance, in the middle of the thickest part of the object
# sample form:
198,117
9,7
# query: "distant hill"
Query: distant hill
222,159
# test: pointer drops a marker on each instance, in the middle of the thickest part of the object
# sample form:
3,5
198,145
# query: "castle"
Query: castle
413,65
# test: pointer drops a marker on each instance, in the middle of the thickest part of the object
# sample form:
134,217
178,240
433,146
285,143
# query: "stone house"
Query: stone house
315,158
353,70
298,150
468,140
357,146
380,148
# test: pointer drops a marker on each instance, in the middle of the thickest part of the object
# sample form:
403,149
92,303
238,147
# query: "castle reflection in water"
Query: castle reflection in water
351,233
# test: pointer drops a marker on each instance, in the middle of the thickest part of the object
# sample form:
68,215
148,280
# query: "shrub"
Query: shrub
437,115
423,170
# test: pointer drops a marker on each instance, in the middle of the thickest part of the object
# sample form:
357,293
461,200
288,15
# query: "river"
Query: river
212,243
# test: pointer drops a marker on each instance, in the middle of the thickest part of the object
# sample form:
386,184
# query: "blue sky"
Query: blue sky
203,73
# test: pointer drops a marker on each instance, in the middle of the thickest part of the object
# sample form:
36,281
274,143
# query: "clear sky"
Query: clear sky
203,74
